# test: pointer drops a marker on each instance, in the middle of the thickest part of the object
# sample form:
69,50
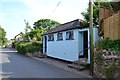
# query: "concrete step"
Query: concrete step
42,56
79,67
80,64
81,61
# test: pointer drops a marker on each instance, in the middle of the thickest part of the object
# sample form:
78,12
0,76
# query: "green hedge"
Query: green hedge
109,44
29,47
21,48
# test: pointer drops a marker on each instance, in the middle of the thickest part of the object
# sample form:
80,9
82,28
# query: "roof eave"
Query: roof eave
63,30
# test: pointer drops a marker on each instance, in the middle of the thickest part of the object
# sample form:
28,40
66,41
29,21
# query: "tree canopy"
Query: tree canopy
3,39
40,27
27,27
45,24
115,5
112,5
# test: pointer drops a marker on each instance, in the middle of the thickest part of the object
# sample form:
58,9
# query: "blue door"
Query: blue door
85,43
45,44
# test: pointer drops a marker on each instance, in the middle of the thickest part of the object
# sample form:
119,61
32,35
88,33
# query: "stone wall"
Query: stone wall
106,64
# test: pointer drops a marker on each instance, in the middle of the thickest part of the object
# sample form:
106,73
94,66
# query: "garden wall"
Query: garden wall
107,64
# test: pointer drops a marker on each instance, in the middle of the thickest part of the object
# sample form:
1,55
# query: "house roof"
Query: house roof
75,24
18,34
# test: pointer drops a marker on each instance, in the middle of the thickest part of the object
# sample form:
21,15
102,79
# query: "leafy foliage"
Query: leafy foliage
40,27
109,44
3,39
27,27
36,34
33,38
115,5
21,48
30,47
110,72
96,10
45,24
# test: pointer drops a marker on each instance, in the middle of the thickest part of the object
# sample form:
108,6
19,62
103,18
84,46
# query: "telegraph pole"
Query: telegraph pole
91,38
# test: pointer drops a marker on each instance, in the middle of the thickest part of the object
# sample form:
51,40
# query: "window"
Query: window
50,37
59,36
69,35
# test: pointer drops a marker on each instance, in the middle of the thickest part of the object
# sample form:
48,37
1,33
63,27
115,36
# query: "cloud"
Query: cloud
10,0
12,17
1,18
66,11
39,8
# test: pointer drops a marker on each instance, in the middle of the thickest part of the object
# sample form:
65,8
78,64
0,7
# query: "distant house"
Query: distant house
19,37
69,41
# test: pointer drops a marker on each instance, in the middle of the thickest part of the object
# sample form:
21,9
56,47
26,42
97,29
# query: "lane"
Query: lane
19,66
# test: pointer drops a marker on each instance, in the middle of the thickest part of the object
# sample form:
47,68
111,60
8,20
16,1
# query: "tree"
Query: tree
40,27
36,35
115,5
27,27
95,12
45,24
3,39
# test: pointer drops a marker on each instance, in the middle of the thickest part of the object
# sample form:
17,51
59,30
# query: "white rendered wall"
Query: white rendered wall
69,49
65,49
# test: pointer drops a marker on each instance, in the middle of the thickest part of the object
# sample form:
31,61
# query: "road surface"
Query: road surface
15,65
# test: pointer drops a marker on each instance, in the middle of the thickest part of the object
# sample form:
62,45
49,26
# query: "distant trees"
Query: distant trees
3,39
32,39
45,24
95,12
39,28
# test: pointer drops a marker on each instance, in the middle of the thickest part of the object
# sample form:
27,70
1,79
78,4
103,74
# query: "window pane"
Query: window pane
59,36
50,37
69,35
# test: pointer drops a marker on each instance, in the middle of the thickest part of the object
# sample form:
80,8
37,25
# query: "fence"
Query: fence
112,26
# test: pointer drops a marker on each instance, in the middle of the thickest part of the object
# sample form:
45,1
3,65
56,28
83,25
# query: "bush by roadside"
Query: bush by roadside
108,44
29,47
107,59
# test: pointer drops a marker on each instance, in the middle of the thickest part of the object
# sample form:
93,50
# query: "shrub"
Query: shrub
21,48
110,72
29,47
109,44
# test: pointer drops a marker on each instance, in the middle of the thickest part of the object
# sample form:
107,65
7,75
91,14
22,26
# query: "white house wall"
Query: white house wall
69,49
65,49
80,43
43,44
96,36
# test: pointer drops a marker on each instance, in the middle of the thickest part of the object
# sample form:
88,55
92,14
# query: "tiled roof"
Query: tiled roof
76,24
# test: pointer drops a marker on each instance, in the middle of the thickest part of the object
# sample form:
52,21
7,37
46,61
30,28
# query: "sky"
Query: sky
14,12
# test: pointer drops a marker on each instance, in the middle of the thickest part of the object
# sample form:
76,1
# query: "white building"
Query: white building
19,37
69,41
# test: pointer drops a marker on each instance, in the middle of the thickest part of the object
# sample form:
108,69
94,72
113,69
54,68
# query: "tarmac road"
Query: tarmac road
15,65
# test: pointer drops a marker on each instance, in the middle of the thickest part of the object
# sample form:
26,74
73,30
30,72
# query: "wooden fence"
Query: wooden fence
112,26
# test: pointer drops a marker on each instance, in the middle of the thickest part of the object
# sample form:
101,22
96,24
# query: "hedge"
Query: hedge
29,47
